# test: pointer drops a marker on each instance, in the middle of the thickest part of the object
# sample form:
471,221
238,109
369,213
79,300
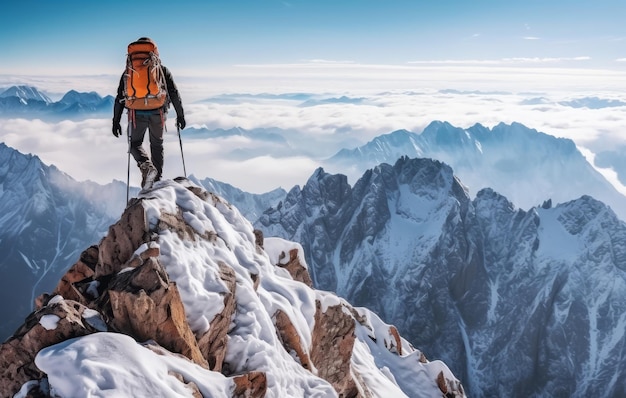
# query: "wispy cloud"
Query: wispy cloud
504,61
531,38
328,61
546,59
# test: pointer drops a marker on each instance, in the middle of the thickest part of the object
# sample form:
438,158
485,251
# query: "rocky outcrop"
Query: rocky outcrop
295,268
145,305
291,339
333,340
251,385
213,343
122,285
57,321
124,237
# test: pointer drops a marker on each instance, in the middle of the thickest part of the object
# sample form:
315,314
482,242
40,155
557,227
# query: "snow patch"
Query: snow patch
49,321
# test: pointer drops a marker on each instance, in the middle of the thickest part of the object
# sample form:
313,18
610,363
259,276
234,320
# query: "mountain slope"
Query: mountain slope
524,303
250,205
222,311
46,219
526,166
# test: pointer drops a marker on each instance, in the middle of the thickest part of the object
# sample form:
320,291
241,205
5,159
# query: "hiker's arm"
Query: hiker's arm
172,91
118,105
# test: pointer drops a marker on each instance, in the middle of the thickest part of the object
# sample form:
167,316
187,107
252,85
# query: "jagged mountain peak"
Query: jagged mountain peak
442,130
331,185
15,168
223,311
25,94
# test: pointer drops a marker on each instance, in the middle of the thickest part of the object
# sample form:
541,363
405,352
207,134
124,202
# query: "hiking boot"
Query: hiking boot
148,174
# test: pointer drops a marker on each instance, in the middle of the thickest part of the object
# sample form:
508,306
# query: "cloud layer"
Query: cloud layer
320,114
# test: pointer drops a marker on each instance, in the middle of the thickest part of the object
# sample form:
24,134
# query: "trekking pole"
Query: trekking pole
181,150
128,168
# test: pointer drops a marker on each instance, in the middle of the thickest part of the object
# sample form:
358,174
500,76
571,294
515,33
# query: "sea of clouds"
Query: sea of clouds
321,108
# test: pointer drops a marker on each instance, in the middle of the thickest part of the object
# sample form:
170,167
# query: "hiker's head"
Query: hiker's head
146,39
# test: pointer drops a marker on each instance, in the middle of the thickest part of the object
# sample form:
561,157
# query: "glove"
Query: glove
117,129
180,122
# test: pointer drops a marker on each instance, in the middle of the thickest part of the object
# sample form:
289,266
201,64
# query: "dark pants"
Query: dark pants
152,121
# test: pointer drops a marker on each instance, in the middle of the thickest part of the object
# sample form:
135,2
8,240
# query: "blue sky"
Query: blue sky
60,37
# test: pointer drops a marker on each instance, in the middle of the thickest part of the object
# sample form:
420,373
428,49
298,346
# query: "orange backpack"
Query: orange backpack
145,86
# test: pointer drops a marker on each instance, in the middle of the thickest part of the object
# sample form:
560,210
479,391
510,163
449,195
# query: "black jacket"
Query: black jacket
172,94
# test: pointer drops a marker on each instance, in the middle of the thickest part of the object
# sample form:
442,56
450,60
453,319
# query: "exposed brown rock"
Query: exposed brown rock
297,271
213,343
136,261
123,239
17,354
333,341
176,223
250,385
145,305
82,269
195,392
449,388
396,343
199,192
290,338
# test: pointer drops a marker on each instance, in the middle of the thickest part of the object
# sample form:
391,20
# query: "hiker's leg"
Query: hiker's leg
156,142
137,133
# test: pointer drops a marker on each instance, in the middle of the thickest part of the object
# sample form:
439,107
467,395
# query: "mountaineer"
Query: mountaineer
146,90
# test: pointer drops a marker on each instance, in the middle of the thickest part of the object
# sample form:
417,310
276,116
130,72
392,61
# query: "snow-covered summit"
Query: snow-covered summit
25,94
182,272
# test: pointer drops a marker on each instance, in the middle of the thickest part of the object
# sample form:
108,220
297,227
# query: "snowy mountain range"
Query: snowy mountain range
183,299
518,303
522,164
27,100
47,219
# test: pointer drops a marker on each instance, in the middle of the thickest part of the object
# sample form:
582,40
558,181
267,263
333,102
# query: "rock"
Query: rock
213,343
145,305
290,338
250,385
58,321
449,388
124,237
297,271
81,270
333,340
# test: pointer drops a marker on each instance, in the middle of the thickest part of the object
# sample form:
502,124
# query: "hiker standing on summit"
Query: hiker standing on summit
146,90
